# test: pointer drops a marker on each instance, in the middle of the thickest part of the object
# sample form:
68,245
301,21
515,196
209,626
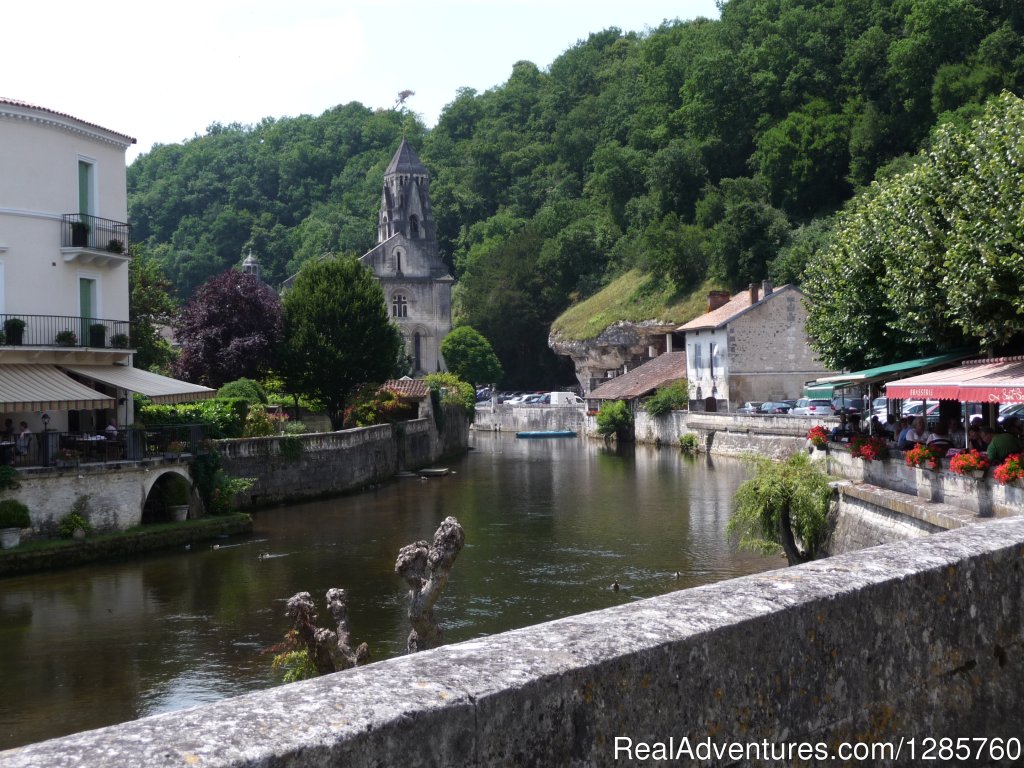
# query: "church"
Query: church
417,285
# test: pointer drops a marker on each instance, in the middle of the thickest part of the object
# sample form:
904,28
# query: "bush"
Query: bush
689,442
375,405
221,417
245,389
453,390
14,514
674,397
258,423
75,519
615,419
216,488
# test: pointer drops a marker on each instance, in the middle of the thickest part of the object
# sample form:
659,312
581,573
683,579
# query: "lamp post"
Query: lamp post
46,422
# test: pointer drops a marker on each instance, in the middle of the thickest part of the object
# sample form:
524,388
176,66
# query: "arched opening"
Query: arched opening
399,306
416,352
414,227
169,499
710,405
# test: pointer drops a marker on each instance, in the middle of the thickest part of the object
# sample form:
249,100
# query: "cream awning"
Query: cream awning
26,387
159,389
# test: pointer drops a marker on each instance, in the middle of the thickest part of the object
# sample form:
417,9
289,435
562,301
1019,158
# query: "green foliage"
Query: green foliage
338,335
929,260
8,478
215,486
614,419
220,417
77,518
796,488
246,389
674,397
469,355
258,423
149,305
453,390
294,665
689,443
14,514
377,405
292,448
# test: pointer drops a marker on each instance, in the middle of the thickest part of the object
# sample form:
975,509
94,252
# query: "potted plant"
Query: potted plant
66,338
14,330
115,246
818,437
97,335
119,341
174,449
68,457
1011,469
14,518
869,448
973,463
924,457
79,234
178,501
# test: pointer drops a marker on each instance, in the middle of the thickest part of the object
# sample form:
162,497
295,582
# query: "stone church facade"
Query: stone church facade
417,285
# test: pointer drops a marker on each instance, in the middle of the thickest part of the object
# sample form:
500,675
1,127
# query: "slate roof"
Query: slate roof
26,105
409,389
405,161
662,370
732,309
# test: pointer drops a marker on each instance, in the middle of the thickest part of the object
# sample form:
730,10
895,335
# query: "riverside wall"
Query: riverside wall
913,640
322,464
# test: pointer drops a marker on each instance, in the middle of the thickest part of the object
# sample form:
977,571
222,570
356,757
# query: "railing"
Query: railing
81,231
72,449
63,331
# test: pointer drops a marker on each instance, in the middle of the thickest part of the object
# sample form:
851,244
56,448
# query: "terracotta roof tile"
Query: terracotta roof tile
736,306
645,378
409,389
26,105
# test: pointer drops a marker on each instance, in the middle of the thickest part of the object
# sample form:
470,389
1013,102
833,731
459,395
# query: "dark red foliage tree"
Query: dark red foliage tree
228,330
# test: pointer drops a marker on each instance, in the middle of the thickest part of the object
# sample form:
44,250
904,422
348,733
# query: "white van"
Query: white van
564,398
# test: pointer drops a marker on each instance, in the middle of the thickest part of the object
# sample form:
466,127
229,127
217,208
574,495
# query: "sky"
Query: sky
163,72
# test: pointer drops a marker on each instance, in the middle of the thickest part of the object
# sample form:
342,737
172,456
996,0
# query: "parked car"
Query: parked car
749,407
812,406
774,407
564,398
847,405
880,407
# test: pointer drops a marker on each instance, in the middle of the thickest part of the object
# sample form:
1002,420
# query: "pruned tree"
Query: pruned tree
229,330
426,569
309,650
337,334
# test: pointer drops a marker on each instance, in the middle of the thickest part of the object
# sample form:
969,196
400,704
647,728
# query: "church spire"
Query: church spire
405,201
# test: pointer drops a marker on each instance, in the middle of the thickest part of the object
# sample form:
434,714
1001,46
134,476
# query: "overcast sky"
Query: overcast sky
162,72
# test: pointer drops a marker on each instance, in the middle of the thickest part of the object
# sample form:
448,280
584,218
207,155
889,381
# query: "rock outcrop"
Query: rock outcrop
619,347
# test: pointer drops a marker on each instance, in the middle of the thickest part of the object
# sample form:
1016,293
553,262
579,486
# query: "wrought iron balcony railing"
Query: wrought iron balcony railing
63,331
81,231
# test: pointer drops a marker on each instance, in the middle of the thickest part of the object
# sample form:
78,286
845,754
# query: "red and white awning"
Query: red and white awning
1000,380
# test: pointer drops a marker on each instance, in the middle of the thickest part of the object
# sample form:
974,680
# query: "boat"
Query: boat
547,433
434,472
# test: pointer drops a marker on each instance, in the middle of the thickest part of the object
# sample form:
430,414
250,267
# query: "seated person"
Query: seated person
1006,442
974,441
901,436
840,430
111,430
24,439
957,436
879,429
918,433
8,431
853,425
939,439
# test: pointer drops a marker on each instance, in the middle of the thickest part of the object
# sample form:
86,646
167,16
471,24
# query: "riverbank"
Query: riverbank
49,554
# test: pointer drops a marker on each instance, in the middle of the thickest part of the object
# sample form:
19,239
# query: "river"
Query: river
550,524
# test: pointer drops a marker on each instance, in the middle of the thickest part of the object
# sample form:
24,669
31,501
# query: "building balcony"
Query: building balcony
63,332
92,240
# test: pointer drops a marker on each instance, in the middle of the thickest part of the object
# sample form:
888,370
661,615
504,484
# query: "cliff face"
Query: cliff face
622,344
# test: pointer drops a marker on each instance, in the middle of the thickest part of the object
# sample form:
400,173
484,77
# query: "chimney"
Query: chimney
753,293
766,286
716,299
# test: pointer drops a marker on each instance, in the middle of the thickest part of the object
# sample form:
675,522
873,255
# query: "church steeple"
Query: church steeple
405,201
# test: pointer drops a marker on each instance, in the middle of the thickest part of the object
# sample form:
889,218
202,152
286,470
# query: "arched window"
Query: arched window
399,306
414,227
416,354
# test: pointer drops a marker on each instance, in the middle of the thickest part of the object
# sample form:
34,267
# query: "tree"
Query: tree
229,330
470,355
784,506
149,305
337,334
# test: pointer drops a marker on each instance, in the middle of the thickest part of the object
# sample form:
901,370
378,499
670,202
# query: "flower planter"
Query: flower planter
10,538
179,512
977,474
929,484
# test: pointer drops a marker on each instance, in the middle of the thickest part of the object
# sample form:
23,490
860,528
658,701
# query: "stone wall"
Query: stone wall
905,641
729,434
529,418
334,462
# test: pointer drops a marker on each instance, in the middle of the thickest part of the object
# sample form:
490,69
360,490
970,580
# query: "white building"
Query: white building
64,253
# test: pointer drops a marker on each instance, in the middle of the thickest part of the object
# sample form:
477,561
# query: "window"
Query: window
399,306
416,352
696,359
414,227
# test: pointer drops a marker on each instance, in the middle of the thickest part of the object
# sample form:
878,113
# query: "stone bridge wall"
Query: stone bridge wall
529,418
910,640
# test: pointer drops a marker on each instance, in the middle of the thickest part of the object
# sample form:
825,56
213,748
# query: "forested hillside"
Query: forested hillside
706,149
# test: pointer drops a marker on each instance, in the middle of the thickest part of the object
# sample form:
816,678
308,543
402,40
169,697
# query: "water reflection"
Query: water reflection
549,526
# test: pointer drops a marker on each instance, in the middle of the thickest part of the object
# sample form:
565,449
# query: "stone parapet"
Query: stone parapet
905,641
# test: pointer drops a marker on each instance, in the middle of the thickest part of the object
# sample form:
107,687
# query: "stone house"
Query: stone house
748,347
65,247
642,381
417,285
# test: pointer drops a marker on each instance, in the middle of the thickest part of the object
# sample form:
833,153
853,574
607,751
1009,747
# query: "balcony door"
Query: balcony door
87,307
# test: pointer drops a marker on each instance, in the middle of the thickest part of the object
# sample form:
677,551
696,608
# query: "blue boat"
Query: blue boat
547,433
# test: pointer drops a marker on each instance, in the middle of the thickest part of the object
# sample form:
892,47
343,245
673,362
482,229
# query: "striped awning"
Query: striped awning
27,387
999,380
159,389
